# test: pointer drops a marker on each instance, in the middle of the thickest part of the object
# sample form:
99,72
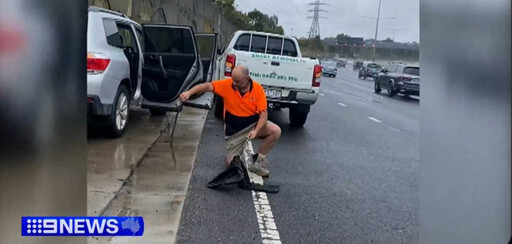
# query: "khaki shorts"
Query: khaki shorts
236,142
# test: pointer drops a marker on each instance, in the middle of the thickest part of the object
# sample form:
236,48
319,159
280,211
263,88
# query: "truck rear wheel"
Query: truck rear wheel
299,115
298,119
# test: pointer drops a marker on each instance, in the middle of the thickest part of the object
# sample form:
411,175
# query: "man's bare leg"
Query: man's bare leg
270,134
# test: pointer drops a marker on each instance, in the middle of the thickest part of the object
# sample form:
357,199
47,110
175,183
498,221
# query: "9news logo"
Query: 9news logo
82,226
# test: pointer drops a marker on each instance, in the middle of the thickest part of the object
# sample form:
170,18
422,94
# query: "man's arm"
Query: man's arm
201,88
259,125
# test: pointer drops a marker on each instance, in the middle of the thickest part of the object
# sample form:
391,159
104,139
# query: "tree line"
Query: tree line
254,20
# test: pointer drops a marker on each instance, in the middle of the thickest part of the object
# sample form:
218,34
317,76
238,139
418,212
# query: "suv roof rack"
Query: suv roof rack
102,10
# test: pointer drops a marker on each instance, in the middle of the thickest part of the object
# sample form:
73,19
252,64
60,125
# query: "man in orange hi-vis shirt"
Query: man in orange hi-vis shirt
245,114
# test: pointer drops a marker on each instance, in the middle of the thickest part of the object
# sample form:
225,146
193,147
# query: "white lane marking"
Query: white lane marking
374,119
266,223
394,129
268,228
321,94
342,104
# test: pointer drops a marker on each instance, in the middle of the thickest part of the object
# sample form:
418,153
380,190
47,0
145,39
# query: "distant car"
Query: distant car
341,63
357,65
399,78
329,68
369,70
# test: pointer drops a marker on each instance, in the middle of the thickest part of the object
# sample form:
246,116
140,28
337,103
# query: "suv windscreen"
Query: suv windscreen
374,66
412,71
242,44
168,40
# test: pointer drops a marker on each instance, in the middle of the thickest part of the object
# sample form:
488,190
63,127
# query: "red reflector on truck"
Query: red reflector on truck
230,64
317,74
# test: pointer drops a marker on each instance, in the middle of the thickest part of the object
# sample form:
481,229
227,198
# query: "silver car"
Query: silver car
369,69
132,65
114,67
329,68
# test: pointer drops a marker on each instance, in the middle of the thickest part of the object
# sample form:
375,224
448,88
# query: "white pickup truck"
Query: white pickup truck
275,61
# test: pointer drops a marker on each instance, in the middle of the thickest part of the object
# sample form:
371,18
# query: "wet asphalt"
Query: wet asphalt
349,176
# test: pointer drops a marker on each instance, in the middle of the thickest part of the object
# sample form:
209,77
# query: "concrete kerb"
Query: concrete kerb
153,181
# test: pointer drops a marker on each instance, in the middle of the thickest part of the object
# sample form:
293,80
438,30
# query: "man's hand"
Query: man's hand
252,135
184,96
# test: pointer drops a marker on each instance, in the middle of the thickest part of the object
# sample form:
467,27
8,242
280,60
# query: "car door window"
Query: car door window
169,40
127,36
289,48
242,44
258,43
205,44
274,45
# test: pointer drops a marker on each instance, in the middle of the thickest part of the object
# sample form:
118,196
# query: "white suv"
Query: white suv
114,67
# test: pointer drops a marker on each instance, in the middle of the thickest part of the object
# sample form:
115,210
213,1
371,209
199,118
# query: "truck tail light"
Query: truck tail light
230,64
97,63
317,74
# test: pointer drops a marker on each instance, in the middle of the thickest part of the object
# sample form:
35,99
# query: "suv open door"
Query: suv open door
207,46
171,65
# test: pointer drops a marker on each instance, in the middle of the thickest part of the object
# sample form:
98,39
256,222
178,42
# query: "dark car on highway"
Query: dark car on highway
341,63
357,65
369,70
399,78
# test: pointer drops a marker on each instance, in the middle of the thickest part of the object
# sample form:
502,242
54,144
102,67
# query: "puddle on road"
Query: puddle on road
110,161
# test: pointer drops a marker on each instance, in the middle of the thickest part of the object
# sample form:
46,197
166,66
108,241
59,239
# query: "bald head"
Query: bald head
241,78
241,72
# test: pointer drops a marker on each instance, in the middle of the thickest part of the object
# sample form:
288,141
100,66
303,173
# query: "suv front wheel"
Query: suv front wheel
118,119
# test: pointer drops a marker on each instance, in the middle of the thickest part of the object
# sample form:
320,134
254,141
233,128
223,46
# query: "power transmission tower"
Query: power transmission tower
314,30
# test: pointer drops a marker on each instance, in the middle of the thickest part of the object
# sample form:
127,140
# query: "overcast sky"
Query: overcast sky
344,16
